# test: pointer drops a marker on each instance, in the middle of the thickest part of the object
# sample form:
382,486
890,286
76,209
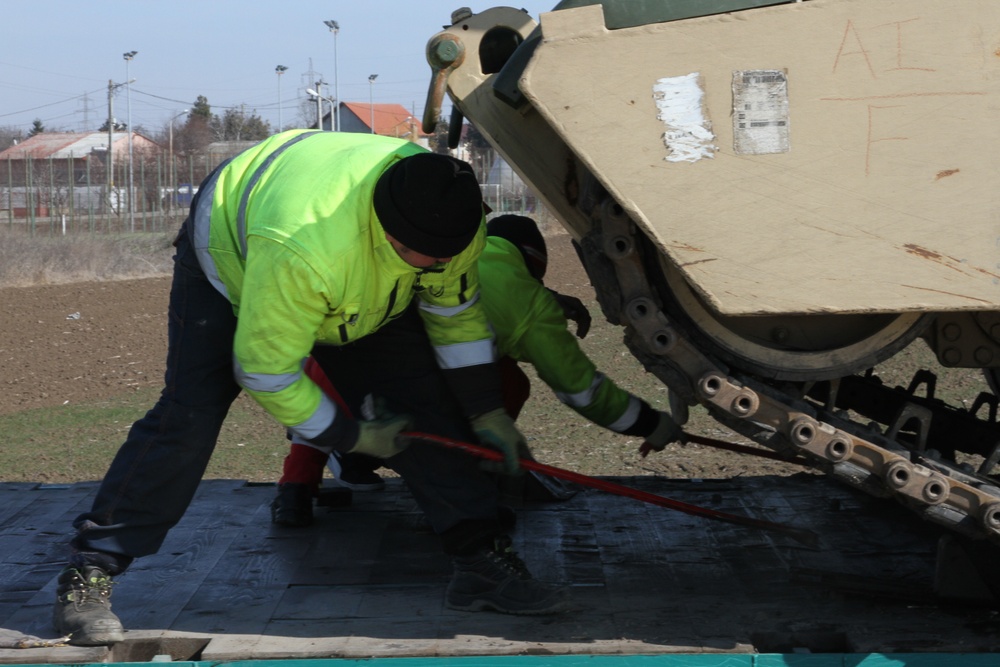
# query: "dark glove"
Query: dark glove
379,437
574,310
496,429
666,431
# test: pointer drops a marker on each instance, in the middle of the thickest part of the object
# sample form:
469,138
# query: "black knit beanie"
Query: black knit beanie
430,203
523,233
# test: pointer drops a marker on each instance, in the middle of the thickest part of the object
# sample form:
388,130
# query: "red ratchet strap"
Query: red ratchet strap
802,535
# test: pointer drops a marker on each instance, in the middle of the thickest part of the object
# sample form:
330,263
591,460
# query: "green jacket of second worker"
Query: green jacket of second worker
288,233
530,327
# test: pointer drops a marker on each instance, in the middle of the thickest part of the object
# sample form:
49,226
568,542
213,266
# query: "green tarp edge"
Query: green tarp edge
629,13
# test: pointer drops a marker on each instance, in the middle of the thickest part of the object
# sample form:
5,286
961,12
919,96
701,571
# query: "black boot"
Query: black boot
83,608
495,578
293,506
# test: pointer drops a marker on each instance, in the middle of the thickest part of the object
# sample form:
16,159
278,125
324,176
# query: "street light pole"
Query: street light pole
128,102
371,105
173,172
279,70
335,29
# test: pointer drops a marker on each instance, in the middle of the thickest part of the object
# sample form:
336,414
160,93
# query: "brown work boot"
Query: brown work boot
83,608
495,578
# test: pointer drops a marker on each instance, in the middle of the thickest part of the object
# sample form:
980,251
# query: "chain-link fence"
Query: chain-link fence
72,195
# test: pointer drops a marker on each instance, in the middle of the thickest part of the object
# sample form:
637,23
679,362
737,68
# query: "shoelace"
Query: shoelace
507,558
96,588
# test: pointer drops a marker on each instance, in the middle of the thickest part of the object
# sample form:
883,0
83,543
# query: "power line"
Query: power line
50,104
169,99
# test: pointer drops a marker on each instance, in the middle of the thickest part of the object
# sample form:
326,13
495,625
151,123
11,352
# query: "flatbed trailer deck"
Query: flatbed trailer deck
368,580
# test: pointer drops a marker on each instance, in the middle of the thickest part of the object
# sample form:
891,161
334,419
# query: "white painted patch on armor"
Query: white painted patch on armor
679,101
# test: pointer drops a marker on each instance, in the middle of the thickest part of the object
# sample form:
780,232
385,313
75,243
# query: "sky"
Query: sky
57,56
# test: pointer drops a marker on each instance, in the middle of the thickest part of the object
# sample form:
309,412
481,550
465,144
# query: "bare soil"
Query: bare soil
97,341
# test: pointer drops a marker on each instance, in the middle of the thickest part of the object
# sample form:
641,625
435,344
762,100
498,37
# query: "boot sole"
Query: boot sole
106,639
102,638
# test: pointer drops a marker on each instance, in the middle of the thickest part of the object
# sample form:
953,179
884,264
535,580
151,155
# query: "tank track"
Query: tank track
790,418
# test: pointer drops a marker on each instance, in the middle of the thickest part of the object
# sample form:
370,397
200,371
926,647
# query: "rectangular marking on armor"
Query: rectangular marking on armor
760,112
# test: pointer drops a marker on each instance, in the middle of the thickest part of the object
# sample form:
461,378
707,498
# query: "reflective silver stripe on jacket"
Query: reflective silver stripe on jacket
263,382
585,398
322,416
241,215
449,311
582,399
628,417
202,229
320,420
462,355
203,214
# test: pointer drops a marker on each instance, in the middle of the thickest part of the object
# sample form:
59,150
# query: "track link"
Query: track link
779,416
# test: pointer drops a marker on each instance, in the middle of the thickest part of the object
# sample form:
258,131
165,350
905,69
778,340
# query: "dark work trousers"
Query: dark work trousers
156,472
397,365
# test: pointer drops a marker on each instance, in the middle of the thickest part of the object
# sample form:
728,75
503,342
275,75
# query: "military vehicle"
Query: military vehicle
772,199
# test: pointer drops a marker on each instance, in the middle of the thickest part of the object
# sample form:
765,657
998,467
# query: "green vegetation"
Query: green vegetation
77,442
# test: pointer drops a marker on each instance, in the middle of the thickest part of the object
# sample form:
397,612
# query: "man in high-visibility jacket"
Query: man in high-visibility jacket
361,251
529,322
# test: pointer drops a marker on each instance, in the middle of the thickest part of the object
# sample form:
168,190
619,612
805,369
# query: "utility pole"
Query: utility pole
319,104
112,87
111,139
173,170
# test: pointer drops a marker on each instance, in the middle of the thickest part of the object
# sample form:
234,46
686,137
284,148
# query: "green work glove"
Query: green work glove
496,429
379,437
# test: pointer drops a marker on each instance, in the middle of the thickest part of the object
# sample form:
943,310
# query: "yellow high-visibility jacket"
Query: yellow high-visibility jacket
288,233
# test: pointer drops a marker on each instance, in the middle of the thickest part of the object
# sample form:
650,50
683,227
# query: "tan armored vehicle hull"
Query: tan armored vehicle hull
772,200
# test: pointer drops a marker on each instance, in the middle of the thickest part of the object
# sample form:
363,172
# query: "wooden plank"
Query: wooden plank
241,592
201,538
155,589
34,541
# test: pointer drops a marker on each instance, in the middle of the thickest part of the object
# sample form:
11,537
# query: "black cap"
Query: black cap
430,203
524,234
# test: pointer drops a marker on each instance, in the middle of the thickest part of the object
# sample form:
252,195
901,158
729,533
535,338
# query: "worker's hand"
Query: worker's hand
379,437
666,431
496,429
573,309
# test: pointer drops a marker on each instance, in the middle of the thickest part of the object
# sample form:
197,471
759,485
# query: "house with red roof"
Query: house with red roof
50,163
388,120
